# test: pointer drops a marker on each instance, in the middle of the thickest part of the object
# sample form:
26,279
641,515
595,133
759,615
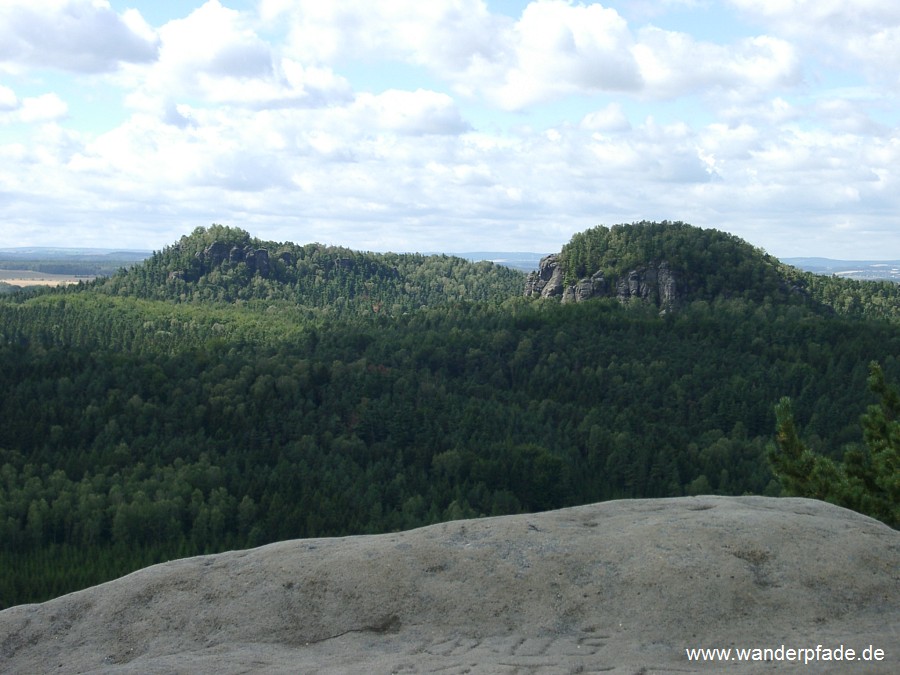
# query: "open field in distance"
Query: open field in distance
30,278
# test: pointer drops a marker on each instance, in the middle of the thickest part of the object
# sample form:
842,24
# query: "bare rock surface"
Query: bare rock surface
616,587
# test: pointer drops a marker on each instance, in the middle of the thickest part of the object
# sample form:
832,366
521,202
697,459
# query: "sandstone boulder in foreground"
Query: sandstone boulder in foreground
621,587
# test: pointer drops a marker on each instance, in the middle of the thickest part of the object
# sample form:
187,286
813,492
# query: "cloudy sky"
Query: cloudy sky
453,125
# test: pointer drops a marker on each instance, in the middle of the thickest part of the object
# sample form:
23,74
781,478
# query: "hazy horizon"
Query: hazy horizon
93,250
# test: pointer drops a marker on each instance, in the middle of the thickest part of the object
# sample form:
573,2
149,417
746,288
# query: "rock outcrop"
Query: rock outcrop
656,283
623,587
547,282
215,254
257,259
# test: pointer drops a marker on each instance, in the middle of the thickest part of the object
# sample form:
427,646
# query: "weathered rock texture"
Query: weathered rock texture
621,587
547,282
656,283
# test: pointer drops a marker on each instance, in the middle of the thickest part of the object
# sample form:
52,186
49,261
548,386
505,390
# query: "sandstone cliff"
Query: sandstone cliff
654,282
257,259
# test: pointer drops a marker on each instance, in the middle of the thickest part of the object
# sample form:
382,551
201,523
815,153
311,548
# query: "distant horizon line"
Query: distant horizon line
149,251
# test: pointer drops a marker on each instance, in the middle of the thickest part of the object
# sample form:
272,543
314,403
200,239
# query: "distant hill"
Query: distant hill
524,261
517,260
869,270
227,264
71,261
667,263
56,253
671,264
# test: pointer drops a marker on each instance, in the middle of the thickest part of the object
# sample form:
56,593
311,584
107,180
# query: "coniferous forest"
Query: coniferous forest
230,392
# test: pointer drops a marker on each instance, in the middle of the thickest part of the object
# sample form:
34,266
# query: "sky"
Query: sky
450,125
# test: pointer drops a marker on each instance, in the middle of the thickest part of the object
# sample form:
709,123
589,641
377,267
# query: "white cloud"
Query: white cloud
359,175
611,118
31,109
441,34
419,112
674,64
8,99
867,32
43,108
72,35
213,40
214,56
555,49
802,16
847,116
775,112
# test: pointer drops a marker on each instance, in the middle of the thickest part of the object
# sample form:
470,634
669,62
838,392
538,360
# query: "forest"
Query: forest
230,392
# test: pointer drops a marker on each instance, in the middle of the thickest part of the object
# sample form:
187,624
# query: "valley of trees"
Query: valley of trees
217,397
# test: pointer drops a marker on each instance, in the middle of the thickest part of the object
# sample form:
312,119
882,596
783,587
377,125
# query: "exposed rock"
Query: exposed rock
554,287
667,285
598,284
218,252
547,282
262,262
214,254
583,290
593,287
287,258
620,587
655,283
642,284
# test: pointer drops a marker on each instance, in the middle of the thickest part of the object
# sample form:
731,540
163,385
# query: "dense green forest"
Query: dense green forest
230,392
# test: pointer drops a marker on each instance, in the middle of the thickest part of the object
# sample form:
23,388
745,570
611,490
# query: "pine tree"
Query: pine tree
868,478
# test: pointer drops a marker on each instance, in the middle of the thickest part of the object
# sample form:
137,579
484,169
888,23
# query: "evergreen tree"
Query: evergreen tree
868,478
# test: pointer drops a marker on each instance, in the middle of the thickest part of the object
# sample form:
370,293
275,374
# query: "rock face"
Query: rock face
547,282
215,254
621,587
218,252
656,283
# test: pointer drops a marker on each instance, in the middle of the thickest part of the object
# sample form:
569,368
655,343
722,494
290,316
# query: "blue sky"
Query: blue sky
453,125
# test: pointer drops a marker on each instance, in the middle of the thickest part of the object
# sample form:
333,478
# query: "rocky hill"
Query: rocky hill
670,264
666,264
225,264
622,587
